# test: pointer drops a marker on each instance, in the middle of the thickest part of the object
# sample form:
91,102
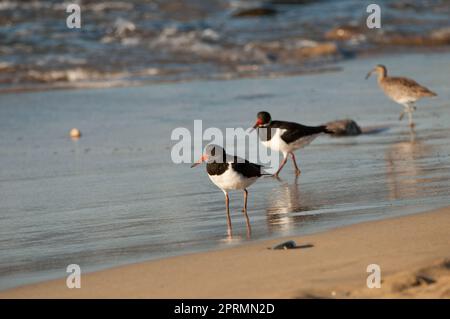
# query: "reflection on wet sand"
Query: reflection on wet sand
284,202
404,172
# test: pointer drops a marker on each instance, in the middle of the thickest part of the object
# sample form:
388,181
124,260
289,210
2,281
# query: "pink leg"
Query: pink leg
227,204
297,170
281,166
249,229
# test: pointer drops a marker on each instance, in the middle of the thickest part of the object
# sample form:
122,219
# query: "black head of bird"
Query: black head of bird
212,154
262,119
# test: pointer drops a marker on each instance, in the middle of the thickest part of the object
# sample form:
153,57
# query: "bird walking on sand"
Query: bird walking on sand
402,90
285,137
230,173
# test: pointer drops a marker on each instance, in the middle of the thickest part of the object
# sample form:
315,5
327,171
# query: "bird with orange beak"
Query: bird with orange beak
285,137
230,173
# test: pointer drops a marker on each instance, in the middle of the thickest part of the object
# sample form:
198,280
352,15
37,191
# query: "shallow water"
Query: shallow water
114,197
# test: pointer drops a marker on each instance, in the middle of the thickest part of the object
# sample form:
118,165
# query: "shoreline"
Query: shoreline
326,68
412,252
374,176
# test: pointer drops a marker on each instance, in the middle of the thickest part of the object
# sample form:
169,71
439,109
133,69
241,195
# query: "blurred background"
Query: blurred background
141,41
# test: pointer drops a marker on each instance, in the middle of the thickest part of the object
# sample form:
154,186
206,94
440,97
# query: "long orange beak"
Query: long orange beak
202,159
257,124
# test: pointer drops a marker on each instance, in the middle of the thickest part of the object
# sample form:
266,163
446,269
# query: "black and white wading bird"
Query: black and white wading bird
230,173
286,137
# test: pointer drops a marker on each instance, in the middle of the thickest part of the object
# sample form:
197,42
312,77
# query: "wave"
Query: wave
194,39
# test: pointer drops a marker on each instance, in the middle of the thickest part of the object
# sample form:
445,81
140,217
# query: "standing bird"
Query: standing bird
402,90
228,173
286,137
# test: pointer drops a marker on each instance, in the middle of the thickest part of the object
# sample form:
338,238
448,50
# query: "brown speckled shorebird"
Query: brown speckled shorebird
402,90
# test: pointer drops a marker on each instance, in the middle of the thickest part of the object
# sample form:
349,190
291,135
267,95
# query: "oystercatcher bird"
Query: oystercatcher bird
286,137
230,173
402,90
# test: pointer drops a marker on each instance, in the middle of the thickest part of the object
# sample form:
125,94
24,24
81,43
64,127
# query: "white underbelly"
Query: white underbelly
276,143
405,100
231,180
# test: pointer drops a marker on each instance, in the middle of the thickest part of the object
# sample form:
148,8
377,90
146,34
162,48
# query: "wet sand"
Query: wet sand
412,252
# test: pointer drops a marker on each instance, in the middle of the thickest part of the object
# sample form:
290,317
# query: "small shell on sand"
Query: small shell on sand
75,133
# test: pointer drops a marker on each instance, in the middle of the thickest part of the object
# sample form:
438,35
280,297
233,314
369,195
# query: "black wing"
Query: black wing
216,168
295,131
246,168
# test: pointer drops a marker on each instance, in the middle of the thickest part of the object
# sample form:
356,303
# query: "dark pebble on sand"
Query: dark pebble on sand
286,245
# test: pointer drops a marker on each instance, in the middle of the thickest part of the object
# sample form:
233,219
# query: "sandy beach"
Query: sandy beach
412,252
101,121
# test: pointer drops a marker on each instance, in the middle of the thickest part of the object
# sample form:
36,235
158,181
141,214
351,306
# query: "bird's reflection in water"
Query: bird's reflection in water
232,239
284,205
404,173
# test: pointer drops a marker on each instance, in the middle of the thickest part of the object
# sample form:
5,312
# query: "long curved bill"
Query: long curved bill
203,158
369,74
